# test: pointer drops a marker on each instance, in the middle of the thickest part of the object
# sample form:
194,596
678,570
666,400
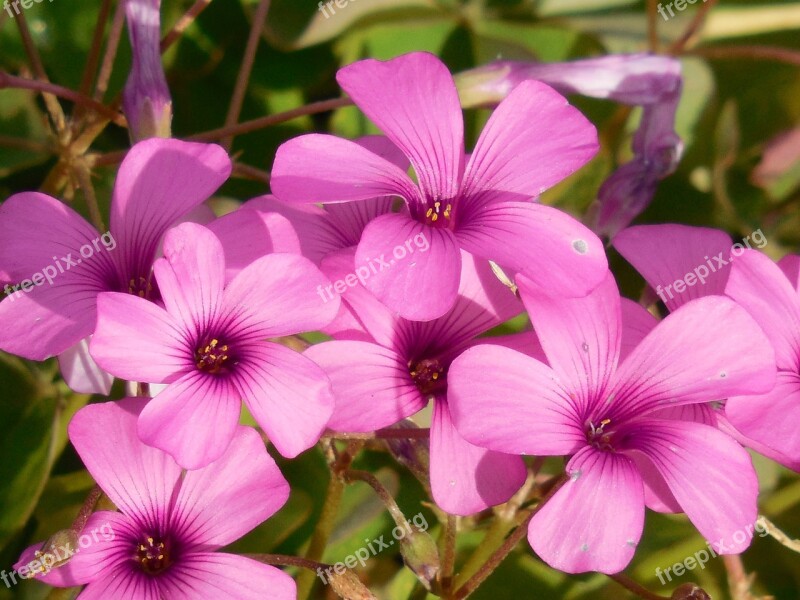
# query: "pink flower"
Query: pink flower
163,543
159,183
533,140
404,365
771,294
624,454
210,345
681,263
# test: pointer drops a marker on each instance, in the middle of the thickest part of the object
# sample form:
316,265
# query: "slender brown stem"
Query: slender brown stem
87,509
50,100
112,45
753,52
449,558
243,78
282,560
652,25
372,481
739,581
187,19
383,434
93,59
23,144
85,180
697,22
12,81
260,123
505,549
632,586
249,172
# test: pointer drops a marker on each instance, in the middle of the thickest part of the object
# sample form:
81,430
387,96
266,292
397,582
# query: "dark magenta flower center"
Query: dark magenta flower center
599,436
438,214
141,286
153,555
212,357
428,374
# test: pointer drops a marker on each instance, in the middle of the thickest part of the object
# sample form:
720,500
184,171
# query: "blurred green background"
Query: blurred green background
739,173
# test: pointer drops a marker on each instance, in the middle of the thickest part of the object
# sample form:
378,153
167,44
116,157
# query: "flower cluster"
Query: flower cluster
193,312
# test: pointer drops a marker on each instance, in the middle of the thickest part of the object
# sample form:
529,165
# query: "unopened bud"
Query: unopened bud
146,100
56,544
420,554
690,591
347,585
412,453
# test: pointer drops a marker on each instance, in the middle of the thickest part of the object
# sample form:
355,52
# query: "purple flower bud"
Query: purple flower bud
146,100
636,79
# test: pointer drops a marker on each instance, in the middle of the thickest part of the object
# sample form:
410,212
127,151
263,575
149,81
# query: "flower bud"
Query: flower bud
347,585
146,99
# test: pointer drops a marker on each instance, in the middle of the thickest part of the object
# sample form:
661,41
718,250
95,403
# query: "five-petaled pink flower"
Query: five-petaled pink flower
681,263
159,183
483,205
404,365
209,343
624,453
163,543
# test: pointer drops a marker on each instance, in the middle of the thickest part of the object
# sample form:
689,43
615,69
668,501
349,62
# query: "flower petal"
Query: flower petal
758,284
483,302
790,265
314,230
413,100
548,246
160,181
253,494
288,395
138,479
709,474
41,240
533,140
47,320
103,543
636,324
81,373
580,336
771,418
372,385
706,350
191,276
466,479
309,169
122,583
223,576
36,231
595,521
413,269
138,340
248,234
508,402
277,295
193,420
679,262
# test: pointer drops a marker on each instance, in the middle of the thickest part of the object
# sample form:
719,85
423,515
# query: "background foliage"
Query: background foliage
742,91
